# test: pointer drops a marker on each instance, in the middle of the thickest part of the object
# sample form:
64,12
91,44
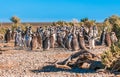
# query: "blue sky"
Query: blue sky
54,10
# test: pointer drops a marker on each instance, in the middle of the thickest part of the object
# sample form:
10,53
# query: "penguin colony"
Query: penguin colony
72,38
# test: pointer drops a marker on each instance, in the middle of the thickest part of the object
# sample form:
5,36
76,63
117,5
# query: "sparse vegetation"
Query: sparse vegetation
15,19
110,58
2,30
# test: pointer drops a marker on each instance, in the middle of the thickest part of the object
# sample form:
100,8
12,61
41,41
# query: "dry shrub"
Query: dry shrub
109,58
2,30
116,65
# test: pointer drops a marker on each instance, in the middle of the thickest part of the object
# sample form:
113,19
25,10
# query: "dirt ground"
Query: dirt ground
19,62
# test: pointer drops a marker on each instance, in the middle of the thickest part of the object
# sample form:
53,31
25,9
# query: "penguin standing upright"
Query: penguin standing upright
39,40
52,39
68,41
92,36
113,37
46,41
74,41
60,40
108,39
81,41
39,37
8,35
102,37
33,43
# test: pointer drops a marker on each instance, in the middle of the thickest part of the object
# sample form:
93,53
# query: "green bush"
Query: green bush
2,30
116,29
110,56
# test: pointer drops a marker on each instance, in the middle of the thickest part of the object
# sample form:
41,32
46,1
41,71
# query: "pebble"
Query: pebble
36,64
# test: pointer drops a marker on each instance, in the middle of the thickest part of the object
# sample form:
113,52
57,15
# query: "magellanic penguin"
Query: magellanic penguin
46,41
91,38
34,44
92,43
60,40
68,41
102,37
108,39
113,37
39,40
8,35
52,39
81,41
74,41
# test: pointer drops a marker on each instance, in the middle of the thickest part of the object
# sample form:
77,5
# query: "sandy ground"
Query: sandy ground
18,62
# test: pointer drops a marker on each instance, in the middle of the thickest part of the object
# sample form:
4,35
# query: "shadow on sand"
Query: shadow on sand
52,68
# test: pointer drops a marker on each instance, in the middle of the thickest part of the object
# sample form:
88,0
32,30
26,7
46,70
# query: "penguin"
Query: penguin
102,37
18,39
52,39
60,40
28,38
39,40
46,41
74,41
13,34
91,38
108,39
81,41
8,35
92,42
113,37
68,41
33,43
